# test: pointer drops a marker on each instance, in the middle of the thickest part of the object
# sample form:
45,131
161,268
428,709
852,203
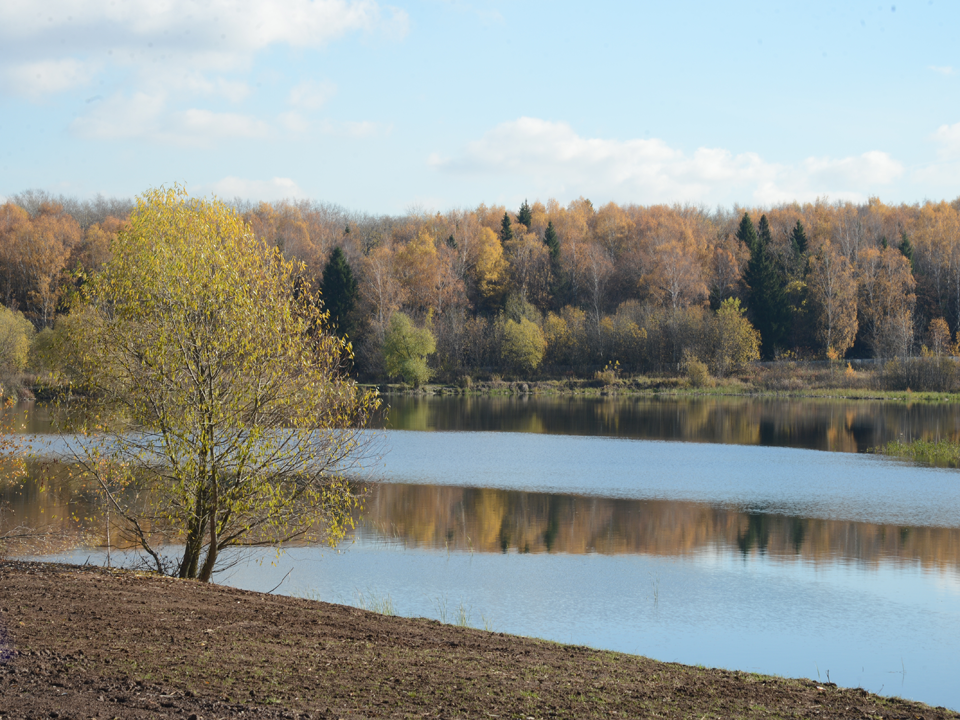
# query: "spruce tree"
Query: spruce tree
506,232
552,242
907,249
524,216
339,292
765,287
746,233
798,243
798,239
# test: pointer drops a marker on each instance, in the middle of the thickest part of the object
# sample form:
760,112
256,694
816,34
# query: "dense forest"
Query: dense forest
556,289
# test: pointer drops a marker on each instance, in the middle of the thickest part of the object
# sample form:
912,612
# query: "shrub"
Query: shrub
16,333
405,350
696,372
523,345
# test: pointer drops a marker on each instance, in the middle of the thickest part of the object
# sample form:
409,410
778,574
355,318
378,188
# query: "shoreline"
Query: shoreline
654,388
80,641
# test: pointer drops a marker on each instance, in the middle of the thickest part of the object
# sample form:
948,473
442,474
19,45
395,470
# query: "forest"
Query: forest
551,290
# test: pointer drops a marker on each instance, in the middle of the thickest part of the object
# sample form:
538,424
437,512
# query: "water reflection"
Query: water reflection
835,425
488,520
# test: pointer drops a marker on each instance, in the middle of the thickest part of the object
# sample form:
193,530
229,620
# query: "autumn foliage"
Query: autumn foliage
633,284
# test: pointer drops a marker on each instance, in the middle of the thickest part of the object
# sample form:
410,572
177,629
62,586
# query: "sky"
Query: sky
432,105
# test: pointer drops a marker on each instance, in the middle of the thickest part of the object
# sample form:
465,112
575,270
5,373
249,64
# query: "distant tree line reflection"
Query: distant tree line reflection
490,520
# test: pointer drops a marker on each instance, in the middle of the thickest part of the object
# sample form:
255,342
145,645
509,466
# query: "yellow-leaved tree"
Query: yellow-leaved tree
229,421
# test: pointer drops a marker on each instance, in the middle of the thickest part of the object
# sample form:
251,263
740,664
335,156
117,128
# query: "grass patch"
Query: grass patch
939,453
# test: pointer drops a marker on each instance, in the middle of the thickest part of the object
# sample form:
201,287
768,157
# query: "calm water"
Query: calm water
835,425
577,521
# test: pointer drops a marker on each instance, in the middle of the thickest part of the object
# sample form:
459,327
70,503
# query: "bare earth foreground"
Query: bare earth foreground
91,643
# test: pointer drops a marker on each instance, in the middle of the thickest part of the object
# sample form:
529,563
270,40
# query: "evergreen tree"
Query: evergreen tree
339,292
798,239
452,242
506,232
907,249
552,242
765,288
524,216
746,233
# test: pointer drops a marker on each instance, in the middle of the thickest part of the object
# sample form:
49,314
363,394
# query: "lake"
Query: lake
705,531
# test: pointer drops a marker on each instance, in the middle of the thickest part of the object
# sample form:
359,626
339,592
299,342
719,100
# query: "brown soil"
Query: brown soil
92,643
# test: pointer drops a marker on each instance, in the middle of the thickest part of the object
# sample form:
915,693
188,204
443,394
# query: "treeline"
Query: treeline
553,288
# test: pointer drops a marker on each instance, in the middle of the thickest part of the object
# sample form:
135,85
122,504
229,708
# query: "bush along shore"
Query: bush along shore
82,642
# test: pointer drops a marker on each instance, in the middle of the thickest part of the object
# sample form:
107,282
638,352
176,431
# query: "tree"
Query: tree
798,240
405,350
524,215
799,247
766,298
886,293
487,268
552,242
16,333
506,232
340,293
735,342
938,335
833,293
230,422
907,249
523,345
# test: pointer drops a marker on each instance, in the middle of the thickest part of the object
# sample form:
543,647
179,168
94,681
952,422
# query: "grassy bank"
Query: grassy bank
86,642
786,381
939,453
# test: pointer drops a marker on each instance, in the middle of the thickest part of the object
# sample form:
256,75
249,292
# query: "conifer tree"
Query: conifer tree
798,239
339,292
798,243
524,216
907,249
765,288
506,232
552,242
746,233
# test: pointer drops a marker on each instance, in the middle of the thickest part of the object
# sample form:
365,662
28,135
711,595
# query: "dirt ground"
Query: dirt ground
91,643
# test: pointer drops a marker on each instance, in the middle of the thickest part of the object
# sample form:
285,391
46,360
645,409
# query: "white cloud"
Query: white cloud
365,129
71,39
294,122
311,95
201,124
146,116
188,26
871,167
36,79
942,69
560,160
948,138
945,171
267,190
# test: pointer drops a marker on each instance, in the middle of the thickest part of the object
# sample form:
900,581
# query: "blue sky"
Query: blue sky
437,104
